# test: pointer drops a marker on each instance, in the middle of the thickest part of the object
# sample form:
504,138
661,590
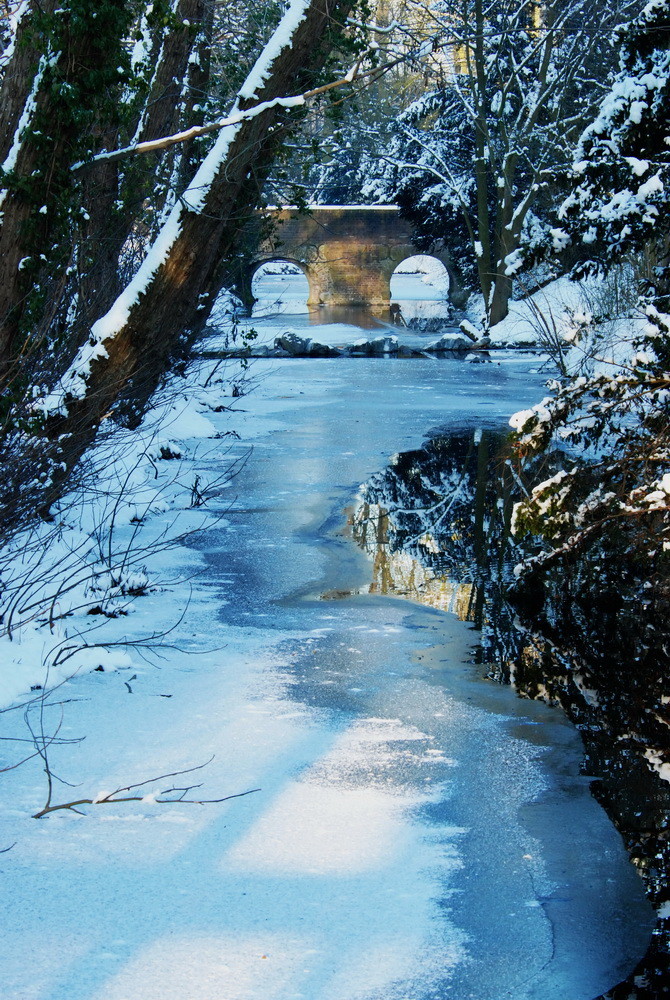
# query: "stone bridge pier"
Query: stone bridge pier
348,253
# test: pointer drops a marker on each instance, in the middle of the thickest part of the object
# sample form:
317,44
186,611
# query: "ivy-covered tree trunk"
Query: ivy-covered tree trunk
59,382
19,61
115,192
73,86
131,345
65,76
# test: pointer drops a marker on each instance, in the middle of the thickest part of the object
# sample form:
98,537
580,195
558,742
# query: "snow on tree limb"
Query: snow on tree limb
237,117
74,382
133,342
154,145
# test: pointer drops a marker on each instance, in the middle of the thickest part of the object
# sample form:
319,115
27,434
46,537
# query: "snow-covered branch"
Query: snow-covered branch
155,145
354,74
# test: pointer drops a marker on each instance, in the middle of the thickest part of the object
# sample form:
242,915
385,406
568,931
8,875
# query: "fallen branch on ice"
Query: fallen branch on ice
176,794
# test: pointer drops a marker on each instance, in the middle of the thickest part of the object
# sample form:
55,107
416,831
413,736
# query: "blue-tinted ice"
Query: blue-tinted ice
516,884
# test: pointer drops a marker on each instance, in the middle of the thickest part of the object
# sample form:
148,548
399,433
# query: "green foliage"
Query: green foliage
609,437
88,62
83,69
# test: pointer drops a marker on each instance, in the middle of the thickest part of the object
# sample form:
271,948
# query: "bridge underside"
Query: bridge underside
347,253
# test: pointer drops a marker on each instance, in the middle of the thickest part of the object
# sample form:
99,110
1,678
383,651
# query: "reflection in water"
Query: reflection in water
362,316
427,521
401,574
436,524
418,309
371,317
420,287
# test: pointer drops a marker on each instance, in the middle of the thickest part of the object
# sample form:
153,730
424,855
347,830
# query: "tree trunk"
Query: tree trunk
171,294
62,89
197,90
27,47
107,185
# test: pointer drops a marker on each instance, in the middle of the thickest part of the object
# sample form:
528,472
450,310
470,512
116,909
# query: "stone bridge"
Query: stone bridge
348,253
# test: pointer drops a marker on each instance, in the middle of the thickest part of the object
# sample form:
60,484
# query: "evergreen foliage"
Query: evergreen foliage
608,504
622,163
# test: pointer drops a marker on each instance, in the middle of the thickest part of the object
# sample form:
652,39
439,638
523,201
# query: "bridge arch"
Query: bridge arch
428,273
262,271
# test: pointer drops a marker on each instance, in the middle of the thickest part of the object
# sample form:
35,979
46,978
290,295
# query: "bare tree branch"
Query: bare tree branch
106,798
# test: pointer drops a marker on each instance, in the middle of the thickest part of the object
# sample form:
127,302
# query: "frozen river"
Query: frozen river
432,836
418,832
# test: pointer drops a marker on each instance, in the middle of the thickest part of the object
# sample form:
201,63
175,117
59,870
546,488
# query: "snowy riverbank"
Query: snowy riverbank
565,319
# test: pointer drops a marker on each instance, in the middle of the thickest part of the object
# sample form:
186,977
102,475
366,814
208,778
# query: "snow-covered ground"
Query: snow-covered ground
562,313
410,832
